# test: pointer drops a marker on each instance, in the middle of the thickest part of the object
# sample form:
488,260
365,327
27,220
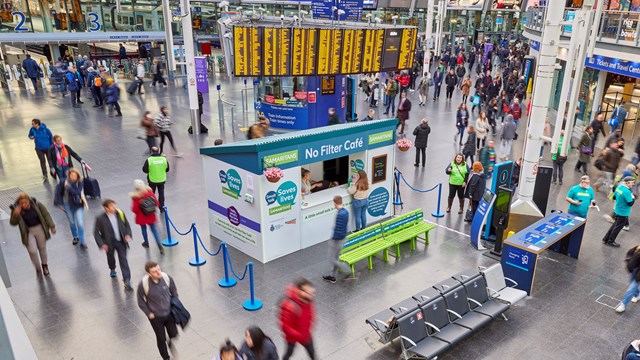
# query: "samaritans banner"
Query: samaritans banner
233,183
282,199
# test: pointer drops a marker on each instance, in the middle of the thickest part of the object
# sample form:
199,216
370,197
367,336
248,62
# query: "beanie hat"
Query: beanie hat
139,185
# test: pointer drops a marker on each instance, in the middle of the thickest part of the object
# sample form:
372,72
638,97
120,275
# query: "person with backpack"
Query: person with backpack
624,201
258,346
150,130
423,88
632,260
257,130
94,82
154,299
72,81
112,233
69,197
297,315
618,116
392,91
558,161
156,167
516,110
144,205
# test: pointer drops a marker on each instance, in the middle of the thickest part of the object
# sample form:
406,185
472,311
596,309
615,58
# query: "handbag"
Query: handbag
585,150
599,164
430,82
468,216
476,100
561,159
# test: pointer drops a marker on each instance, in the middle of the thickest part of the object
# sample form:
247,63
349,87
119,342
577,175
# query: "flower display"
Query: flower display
273,174
404,144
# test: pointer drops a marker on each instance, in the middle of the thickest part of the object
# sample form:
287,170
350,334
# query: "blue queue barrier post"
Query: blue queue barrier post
226,281
252,304
438,213
196,261
168,241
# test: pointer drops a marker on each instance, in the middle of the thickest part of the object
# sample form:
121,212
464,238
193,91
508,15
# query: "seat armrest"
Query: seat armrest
464,276
446,286
454,313
432,326
493,292
384,324
511,280
402,308
474,301
408,340
480,267
424,297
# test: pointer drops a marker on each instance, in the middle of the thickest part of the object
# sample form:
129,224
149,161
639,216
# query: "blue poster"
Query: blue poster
569,16
480,218
616,66
322,9
202,78
286,117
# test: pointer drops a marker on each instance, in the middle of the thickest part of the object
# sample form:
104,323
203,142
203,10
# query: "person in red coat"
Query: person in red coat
297,314
404,79
143,216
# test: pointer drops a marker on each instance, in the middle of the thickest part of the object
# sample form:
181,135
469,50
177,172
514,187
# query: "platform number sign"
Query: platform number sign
21,20
94,22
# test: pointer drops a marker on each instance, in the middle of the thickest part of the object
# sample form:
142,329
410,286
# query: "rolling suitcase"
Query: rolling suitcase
132,87
91,186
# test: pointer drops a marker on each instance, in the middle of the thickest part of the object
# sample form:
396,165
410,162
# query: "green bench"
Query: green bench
379,238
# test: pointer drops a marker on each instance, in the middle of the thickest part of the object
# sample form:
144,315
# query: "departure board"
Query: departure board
247,46
304,48
277,56
372,50
407,49
391,49
352,51
329,51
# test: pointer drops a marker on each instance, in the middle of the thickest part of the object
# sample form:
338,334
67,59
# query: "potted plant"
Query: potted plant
404,144
273,174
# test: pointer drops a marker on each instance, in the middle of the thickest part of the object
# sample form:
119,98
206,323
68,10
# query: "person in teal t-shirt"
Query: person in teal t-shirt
580,197
624,202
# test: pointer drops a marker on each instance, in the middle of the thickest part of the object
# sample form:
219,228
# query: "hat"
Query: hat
628,178
627,173
139,184
91,69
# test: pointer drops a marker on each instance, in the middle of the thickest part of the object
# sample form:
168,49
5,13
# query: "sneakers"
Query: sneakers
620,308
612,244
161,250
75,241
329,278
635,299
83,246
626,228
113,273
608,218
127,286
145,245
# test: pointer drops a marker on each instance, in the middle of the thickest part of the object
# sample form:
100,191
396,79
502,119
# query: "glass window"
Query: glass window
287,90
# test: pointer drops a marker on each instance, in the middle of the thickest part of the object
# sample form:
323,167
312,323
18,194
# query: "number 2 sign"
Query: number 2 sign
21,20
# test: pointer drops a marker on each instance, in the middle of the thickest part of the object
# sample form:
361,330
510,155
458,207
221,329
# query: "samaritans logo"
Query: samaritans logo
380,137
356,165
233,181
281,158
285,196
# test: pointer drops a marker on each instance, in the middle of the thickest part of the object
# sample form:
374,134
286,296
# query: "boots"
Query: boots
461,206
449,203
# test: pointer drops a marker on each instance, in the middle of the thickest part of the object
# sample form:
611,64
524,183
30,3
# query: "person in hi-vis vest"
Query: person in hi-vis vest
156,167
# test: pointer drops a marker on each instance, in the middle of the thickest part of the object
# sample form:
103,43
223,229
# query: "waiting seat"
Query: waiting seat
439,324
426,295
385,325
404,306
415,340
459,311
497,286
476,288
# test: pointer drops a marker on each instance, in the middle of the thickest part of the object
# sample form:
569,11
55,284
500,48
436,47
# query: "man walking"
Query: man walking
580,197
610,160
156,167
73,85
154,299
598,128
43,140
297,314
112,233
337,240
33,70
622,210
633,266
392,91
618,116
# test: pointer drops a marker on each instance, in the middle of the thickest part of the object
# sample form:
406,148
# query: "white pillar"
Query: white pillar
439,26
539,107
597,98
428,35
168,45
189,56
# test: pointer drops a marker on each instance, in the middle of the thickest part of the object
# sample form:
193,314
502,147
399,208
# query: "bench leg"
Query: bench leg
353,270
398,250
426,238
370,262
386,255
413,243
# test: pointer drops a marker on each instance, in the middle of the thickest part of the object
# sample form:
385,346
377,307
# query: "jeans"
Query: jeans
44,159
74,98
121,248
308,347
76,221
334,257
558,171
360,212
391,102
163,135
154,231
582,165
506,147
632,290
117,107
160,187
97,98
61,172
616,227
461,133
151,141
159,324
34,81
436,92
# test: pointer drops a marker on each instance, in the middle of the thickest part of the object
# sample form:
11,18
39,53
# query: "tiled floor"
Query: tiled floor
79,312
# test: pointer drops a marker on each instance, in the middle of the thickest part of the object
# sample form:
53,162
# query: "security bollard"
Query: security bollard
196,261
226,281
252,304
169,241
438,213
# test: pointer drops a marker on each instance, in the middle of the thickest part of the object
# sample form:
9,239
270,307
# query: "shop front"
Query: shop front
254,187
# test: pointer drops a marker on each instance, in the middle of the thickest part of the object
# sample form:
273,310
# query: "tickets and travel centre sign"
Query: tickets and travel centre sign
331,148
616,66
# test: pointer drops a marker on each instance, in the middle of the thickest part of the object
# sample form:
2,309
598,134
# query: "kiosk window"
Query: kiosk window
328,85
283,88
336,170
379,169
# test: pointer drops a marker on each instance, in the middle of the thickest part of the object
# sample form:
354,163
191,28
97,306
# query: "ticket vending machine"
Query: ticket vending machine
500,218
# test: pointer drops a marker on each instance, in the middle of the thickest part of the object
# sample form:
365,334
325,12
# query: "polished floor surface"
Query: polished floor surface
79,312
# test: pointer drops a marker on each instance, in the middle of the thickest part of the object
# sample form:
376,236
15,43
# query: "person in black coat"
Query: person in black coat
476,186
422,137
403,112
451,80
61,158
32,69
258,346
111,241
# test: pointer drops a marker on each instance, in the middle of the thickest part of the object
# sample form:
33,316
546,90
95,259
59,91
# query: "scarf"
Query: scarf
62,155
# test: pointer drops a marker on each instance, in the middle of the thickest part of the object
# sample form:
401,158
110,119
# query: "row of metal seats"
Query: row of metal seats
441,316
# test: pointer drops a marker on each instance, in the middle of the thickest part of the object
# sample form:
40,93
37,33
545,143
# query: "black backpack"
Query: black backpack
147,205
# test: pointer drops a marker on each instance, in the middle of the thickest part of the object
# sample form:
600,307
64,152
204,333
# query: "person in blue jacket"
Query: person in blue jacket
33,70
43,139
113,95
72,79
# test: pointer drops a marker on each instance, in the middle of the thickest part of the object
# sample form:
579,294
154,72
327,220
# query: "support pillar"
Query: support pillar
428,36
168,45
189,56
599,94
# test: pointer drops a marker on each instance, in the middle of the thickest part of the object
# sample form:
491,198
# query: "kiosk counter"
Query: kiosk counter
269,218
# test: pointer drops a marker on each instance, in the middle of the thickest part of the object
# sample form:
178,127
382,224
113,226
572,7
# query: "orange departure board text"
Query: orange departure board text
407,49
352,51
372,50
303,52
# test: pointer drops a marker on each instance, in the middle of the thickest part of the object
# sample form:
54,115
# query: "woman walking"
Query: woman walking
507,134
69,197
150,129
422,137
36,226
458,172
466,87
558,161
359,188
163,123
462,121
144,204
60,157
469,148
492,114
423,88
476,186
584,150
482,129
258,346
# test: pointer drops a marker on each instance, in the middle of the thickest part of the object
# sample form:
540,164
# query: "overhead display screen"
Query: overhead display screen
407,47
391,49
304,50
247,51
372,50
276,55
329,46
352,51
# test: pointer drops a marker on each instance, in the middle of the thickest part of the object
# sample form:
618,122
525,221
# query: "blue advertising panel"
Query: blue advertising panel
322,9
286,117
616,66
569,17
480,218
501,176
519,265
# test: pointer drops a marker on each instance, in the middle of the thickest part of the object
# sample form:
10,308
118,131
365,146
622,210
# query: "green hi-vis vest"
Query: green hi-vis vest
157,169
458,173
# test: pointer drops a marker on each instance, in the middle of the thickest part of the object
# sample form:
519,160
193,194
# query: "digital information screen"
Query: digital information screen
247,48
407,49
329,46
304,49
372,50
391,49
352,51
277,56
